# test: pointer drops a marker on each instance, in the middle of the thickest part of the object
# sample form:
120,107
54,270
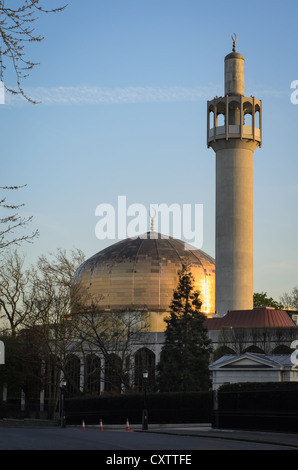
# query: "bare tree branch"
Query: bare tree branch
16,302
17,29
10,224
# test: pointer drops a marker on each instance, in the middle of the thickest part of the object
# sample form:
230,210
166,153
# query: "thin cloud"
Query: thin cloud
92,95
82,95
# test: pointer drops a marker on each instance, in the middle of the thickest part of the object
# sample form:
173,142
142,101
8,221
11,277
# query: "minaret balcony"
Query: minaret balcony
243,114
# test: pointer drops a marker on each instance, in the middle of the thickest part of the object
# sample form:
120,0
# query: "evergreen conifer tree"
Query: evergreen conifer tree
186,351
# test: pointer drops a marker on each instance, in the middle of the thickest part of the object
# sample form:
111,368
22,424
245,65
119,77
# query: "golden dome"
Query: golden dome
142,272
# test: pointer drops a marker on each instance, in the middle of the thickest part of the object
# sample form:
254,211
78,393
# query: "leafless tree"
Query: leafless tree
35,303
262,339
12,223
15,292
17,21
51,313
110,335
290,300
60,267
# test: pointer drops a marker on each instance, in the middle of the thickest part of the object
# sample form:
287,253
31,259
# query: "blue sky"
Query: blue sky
123,86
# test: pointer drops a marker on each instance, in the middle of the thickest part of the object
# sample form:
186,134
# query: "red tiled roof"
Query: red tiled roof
256,318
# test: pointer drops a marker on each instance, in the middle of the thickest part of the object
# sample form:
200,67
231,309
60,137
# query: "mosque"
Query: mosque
141,273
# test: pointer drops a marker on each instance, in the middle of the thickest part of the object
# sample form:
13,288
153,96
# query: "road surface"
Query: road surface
117,440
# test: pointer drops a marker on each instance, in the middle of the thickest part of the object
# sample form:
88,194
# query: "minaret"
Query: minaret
234,141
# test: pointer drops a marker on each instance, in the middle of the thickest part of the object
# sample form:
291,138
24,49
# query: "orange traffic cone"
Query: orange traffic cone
101,426
127,425
83,425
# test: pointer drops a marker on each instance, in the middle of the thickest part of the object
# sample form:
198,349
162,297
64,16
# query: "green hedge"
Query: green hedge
162,408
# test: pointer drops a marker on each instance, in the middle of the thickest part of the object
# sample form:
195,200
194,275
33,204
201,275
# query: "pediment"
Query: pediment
246,363
254,361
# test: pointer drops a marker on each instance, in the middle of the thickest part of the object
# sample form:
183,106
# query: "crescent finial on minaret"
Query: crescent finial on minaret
234,38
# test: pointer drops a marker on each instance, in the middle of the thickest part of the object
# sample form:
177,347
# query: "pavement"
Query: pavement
200,430
205,430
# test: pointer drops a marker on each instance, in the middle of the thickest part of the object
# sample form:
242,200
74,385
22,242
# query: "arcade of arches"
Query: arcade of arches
95,375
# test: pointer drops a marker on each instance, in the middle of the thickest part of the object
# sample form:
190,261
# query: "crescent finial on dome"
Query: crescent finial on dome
152,217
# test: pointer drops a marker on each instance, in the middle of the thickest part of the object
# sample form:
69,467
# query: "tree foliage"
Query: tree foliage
261,299
186,351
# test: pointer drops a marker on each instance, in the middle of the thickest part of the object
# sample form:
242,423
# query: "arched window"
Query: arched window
258,117
144,360
282,349
211,119
247,111
220,120
248,120
222,351
254,349
234,113
113,373
92,374
72,374
52,373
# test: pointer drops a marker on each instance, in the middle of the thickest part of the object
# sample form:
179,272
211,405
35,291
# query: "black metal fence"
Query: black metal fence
266,407
162,408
